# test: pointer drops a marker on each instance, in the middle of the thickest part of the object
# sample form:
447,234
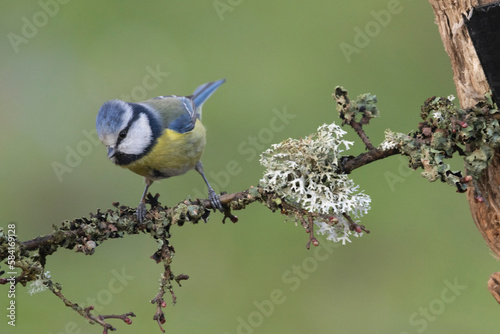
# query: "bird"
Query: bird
158,138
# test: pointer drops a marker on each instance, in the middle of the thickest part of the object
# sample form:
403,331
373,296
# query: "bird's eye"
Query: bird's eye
122,134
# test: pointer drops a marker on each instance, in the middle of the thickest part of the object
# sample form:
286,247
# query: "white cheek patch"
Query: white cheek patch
138,138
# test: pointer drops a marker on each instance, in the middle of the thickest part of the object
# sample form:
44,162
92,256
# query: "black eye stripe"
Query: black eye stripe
122,137
135,116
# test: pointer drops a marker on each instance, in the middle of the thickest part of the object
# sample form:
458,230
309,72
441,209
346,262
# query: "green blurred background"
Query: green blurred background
281,56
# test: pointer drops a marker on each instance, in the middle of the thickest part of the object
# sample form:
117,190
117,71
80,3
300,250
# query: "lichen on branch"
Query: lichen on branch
473,133
304,173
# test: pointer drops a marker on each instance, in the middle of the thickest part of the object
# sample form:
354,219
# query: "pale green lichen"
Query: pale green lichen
40,284
304,173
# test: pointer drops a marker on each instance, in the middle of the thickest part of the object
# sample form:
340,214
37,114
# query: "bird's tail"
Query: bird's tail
203,92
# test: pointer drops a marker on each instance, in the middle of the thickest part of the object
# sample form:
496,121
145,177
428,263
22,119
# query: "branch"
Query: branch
100,225
299,174
351,163
86,233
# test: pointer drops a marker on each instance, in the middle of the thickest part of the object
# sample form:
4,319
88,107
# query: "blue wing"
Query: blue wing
203,92
186,119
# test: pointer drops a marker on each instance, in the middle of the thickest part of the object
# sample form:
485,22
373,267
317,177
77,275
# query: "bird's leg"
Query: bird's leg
141,209
212,196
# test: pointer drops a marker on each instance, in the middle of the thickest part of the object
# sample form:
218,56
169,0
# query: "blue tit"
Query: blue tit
158,138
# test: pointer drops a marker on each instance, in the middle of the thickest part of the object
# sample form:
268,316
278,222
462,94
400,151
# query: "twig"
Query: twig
158,299
86,312
165,255
312,239
348,112
358,127
353,226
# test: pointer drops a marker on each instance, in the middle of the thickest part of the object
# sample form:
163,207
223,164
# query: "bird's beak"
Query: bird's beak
111,152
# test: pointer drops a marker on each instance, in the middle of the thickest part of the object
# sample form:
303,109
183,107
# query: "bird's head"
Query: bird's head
128,130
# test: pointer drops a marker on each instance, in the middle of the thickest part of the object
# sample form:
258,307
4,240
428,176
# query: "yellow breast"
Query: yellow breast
174,154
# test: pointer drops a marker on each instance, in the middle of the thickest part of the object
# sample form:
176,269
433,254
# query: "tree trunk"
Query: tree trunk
471,85
467,72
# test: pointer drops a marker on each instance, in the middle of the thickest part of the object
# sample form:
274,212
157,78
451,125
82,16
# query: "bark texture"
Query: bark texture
486,214
467,72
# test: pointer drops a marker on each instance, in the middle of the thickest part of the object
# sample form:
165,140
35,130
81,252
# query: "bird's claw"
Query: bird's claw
141,212
215,200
